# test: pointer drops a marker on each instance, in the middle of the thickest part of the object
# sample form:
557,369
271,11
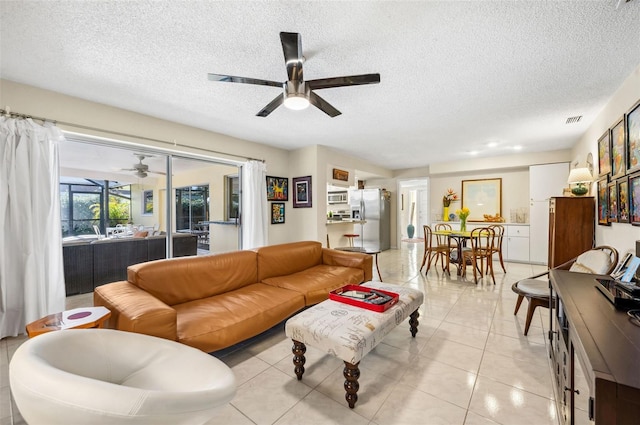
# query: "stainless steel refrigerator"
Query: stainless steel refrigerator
373,207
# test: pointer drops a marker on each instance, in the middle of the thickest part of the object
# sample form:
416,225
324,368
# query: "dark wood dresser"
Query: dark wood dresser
571,228
595,354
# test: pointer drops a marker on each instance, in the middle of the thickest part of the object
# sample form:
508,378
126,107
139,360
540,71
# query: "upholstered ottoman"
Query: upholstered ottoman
349,332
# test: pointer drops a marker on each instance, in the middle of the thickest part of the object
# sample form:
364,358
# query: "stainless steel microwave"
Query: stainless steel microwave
337,197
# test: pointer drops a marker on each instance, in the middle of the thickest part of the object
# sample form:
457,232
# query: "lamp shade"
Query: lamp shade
580,175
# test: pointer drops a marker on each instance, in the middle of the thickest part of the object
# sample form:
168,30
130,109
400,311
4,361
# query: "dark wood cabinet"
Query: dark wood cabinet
571,228
595,353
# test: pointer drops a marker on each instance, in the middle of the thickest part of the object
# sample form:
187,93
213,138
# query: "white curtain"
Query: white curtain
255,209
31,271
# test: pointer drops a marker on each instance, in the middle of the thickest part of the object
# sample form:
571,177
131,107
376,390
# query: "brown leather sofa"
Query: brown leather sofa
213,302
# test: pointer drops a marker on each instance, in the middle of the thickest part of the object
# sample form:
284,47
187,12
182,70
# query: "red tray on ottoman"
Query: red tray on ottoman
365,297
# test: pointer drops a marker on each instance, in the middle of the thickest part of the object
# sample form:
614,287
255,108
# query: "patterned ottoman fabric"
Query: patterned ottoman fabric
350,332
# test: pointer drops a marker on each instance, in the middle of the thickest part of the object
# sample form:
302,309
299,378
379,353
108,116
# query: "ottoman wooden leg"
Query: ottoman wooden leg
413,323
298,350
351,374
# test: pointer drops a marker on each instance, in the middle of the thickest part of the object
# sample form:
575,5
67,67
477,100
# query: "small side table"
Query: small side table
78,318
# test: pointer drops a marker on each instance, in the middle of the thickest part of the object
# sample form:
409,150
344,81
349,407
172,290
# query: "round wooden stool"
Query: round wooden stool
350,236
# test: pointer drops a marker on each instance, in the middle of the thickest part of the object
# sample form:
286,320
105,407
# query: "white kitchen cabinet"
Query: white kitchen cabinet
515,246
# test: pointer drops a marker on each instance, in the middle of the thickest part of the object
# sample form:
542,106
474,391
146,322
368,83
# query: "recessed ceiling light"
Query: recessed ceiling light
492,144
517,147
473,152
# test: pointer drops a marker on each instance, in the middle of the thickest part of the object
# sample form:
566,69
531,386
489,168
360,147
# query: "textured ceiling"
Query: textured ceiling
456,77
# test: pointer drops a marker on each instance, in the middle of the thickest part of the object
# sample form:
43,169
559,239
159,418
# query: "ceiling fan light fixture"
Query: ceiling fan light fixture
296,102
296,95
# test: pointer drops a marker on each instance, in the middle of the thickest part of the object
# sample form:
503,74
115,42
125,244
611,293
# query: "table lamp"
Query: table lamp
580,176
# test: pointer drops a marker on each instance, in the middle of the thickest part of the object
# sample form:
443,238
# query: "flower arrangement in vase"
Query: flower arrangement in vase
463,213
446,201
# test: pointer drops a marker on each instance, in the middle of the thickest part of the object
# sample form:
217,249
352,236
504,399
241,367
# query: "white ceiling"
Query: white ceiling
455,76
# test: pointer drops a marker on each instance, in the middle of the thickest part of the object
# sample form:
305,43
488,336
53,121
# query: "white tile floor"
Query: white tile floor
469,363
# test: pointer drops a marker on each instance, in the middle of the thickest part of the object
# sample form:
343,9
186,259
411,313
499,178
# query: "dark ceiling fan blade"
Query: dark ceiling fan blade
244,80
292,49
323,105
271,106
352,80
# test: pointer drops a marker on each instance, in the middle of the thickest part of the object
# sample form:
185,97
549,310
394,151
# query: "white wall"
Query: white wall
622,236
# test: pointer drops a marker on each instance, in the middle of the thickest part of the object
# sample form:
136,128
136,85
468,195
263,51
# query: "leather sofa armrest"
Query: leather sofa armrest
135,310
356,260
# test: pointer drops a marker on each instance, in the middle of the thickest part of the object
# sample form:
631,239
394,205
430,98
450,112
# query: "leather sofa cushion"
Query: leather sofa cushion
316,283
223,320
180,280
286,259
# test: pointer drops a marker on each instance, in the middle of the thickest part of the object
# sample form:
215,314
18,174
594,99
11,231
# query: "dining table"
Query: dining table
460,238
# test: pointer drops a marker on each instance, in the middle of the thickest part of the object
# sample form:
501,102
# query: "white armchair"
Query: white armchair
104,376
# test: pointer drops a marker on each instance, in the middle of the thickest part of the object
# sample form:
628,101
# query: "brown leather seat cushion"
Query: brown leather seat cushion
226,319
316,283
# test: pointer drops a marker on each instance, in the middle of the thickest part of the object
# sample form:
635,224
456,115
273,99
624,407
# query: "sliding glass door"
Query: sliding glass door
192,207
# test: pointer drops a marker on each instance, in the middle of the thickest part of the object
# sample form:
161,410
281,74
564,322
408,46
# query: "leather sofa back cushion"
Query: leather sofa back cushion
179,280
288,258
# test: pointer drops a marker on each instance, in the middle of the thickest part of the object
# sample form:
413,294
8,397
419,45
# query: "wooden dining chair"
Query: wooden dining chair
497,248
432,249
481,250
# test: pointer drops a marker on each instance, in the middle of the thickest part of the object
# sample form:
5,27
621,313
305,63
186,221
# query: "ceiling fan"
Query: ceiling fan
298,94
141,170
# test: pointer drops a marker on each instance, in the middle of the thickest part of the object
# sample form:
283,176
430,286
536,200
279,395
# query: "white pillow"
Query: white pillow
594,261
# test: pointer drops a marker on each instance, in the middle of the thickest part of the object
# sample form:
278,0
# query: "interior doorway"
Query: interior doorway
413,208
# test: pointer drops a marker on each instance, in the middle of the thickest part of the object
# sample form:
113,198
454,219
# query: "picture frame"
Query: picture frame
618,150
341,175
634,199
147,202
277,213
612,189
632,124
277,188
602,191
302,196
604,154
623,199
482,197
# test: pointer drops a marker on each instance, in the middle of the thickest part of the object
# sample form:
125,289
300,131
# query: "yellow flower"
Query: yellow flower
463,213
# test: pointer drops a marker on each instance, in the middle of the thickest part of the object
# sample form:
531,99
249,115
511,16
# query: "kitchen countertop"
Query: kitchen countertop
349,220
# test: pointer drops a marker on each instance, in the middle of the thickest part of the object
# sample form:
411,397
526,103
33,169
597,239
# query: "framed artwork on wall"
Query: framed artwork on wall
340,175
618,150
302,192
482,197
277,212
623,200
634,199
612,188
147,202
633,138
603,201
277,188
604,154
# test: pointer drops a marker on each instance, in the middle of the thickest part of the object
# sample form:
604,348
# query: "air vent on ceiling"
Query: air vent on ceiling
573,120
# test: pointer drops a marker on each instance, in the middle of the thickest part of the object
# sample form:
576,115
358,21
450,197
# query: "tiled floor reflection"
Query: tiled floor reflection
469,364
